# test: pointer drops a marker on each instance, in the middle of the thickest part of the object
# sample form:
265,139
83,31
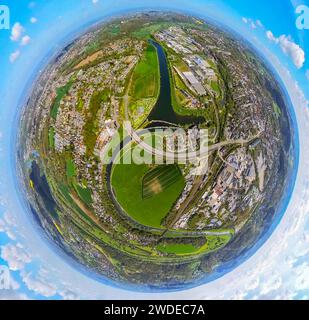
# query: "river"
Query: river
163,109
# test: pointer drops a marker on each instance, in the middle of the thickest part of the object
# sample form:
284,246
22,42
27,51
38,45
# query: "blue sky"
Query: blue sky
57,19
39,27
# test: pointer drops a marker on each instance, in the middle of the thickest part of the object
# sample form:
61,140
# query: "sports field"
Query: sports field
157,180
145,82
131,181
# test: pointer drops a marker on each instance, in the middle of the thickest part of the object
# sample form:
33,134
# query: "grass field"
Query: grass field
145,82
61,93
215,86
84,194
147,31
157,180
70,168
277,110
127,183
177,248
91,125
213,242
51,138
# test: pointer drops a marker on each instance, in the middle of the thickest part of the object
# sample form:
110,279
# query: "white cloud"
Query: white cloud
259,23
18,259
286,244
302,279
292,50
68,295
270,36
12,295
253,25
7,281
25,40
14,56
17,31
33,20
6,226
39,282
15,256
287,45
271,283
289,48
38,285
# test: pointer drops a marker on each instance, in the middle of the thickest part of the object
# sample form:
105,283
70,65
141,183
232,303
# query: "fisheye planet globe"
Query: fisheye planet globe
105,145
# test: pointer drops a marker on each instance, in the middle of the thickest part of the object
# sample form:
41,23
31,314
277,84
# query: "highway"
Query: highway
192,156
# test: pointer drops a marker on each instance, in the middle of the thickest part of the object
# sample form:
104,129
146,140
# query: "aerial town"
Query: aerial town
139,222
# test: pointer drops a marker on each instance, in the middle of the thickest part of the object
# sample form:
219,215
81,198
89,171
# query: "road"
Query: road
193,157
184,156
